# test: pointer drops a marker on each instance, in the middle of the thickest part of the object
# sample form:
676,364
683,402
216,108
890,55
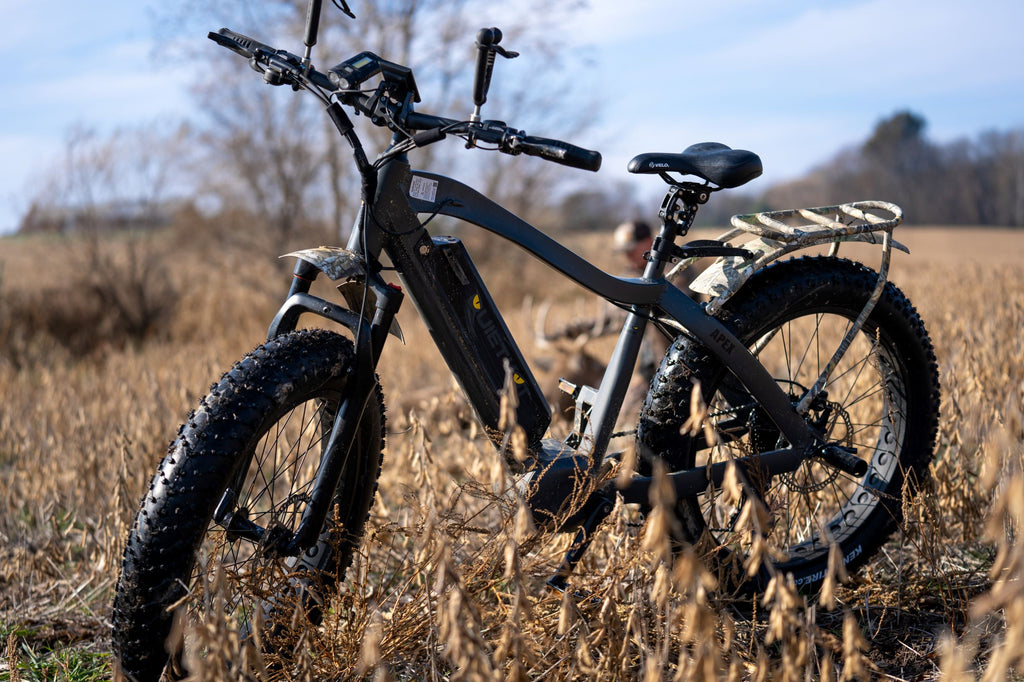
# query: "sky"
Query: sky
794,81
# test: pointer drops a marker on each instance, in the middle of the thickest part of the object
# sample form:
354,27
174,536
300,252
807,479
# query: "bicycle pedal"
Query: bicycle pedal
568,388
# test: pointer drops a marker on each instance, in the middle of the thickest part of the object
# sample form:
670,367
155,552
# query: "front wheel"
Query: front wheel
881,401
239,474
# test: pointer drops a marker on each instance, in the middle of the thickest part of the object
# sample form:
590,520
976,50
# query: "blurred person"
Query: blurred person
633,239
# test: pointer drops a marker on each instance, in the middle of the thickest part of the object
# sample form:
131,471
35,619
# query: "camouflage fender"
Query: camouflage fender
348,268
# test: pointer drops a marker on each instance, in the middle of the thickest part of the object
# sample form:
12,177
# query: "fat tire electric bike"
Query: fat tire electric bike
807,386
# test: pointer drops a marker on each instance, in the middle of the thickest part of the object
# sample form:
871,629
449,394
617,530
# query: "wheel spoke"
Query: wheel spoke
815,495
279,480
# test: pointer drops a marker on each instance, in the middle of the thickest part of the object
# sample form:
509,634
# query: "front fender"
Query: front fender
348,268
334,261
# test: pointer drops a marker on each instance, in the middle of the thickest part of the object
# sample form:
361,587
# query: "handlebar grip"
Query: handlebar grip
230,43
236,42
560,152
248,47
485,38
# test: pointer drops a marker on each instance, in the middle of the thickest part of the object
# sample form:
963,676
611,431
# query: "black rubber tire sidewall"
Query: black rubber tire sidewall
771,295
174,515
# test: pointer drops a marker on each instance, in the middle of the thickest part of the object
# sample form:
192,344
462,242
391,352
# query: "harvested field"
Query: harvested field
450,582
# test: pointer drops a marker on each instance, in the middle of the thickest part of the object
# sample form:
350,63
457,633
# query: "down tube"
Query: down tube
735,356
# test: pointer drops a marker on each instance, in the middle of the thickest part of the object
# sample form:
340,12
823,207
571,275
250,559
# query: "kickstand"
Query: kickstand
580,544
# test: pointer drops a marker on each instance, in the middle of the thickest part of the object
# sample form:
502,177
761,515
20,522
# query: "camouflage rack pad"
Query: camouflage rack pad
773,234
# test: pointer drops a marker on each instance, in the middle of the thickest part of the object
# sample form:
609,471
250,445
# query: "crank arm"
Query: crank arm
761,467
600,508
694,482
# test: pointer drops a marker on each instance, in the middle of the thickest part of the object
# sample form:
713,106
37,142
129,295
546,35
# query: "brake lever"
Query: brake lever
491,132
275,65
343,6
507,54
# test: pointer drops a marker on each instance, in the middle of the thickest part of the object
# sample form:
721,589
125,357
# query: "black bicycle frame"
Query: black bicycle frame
390,224
404,193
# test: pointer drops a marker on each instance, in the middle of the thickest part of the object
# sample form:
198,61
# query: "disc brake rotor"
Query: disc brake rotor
809,478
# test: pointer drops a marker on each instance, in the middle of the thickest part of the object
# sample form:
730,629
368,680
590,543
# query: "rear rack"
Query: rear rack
772,234
825,221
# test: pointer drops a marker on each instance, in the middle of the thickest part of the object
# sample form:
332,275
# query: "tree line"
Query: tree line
265,159
977,181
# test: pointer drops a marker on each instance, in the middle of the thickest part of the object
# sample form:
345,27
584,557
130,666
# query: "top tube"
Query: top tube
433,193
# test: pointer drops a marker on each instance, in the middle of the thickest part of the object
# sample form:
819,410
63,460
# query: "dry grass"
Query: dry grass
450,582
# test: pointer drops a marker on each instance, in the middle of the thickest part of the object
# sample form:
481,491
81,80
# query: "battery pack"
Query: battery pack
476,343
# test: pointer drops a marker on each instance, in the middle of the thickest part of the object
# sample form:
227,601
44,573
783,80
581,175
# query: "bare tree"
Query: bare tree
1001,170
435,37
967,182
99,177
104,187
264,154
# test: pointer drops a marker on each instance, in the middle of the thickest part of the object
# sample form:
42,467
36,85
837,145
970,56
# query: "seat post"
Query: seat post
676,221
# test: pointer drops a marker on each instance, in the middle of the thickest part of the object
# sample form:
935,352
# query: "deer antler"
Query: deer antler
578,331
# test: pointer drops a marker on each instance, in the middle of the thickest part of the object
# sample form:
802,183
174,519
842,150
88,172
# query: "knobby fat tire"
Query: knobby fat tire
176,512
782,292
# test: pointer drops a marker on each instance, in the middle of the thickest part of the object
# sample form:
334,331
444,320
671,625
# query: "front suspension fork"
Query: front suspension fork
369,336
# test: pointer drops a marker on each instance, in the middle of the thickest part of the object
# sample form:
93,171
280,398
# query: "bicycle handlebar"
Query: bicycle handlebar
236,42
283,66
513,142
283,61
560,152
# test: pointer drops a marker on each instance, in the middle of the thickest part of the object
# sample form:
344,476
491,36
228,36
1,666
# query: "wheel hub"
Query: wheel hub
831,420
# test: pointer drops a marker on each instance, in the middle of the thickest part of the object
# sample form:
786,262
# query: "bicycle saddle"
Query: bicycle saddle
712,161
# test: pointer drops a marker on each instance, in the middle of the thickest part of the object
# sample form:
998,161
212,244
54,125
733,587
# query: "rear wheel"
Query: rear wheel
881,400
238,476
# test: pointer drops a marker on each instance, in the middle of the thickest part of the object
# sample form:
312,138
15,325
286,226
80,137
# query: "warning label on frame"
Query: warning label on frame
423,188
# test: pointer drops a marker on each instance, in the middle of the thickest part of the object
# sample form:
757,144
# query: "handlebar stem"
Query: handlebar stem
312,26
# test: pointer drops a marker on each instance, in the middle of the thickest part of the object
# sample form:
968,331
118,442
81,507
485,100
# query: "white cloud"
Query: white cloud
920,45
795,82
